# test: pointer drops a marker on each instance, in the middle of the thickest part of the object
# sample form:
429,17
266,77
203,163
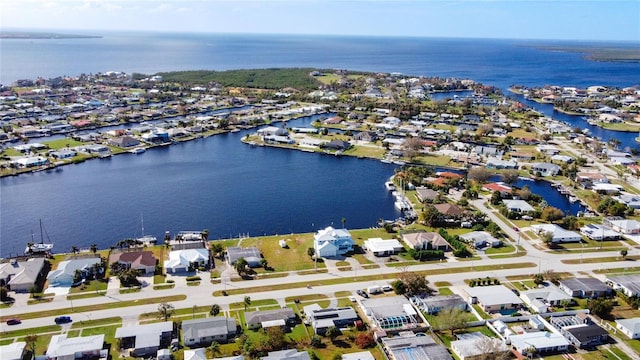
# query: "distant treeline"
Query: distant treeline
608,53
298,78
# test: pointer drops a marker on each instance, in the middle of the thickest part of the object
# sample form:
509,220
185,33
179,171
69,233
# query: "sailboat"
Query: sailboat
146,239
41,247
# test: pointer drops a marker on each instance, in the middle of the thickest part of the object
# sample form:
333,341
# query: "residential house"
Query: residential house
322,319
391,313
494,298
331,242
495,163
545,169
367,136
543,342
252,255
207,330
13,351
549,150
589,288
599,232
628,284
629,327
586,179
183,260
449,210
434,304
84,347
562,159
284,318
273,131
518,206
65,273
201,354
20,276
558,234
336,145
472,346
124,141
606,188
541,298
409,346
580,330
380,247
289,354
623,226
480,239
425,194
501,187
631,200
423,240
144,340
142,261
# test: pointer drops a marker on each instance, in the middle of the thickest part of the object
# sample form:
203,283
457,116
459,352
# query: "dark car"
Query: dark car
362,293
14,321
63,319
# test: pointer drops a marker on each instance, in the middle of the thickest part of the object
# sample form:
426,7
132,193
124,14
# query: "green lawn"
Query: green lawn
62,143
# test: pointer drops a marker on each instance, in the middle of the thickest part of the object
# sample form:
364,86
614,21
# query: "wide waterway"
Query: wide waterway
217,183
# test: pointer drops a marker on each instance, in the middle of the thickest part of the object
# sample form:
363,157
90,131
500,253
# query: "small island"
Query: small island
31,35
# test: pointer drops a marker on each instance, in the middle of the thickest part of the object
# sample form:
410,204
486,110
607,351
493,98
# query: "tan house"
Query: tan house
143,261
426,240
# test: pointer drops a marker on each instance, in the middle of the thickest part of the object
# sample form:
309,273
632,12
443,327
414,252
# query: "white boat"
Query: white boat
147,240
38,248
390,186
138,150
386,161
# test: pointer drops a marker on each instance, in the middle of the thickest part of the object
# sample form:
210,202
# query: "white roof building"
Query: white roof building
494,298
559,235
630,327
542,341
519,206
539,299
361,355
380,247
290,354
63,348
64,274
468,346
331,242
13,351
179,260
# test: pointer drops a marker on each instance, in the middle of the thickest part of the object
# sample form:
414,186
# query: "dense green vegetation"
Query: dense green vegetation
298,78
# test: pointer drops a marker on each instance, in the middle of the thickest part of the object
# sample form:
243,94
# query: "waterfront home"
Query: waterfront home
558,234
289,354
29,162
543,342
425,194
13,351
273,131
251,255
588,288
145,339
183,260
380,247
83,347
205,331
629,327
407,345
142,261
496,163
545,169
449,210
63,154
470,346
494,298
518,206
322,319
392,313
336,145
20,276
331,242
434,304
423,240
606,188
501,187
541,298
631,200
65,274
124,141
284,318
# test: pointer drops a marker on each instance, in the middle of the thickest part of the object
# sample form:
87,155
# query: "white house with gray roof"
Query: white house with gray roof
519,206
65,273
207,330
13,351
83,347
289,354
558,234
322,319
144,340
331,242
541,298
629,327
629,284
495,298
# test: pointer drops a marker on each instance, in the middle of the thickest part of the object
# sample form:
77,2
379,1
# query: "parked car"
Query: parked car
14,321
63,319
362,293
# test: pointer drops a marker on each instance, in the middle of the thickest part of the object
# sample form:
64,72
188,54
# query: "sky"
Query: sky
607,20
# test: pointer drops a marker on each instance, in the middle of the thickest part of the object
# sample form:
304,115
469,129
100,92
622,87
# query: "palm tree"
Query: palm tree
205,234
94,248
215,310
165,310
74,250
344,221
31,343
214,348
247,302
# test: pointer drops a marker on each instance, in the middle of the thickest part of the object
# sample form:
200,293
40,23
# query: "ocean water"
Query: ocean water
225,186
